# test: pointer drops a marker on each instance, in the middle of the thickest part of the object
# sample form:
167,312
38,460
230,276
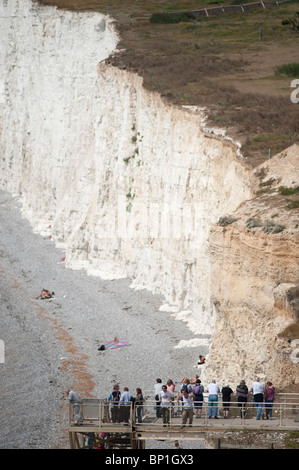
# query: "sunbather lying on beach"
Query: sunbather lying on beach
45,294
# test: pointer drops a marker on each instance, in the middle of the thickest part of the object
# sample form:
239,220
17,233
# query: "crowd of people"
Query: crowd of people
192,398
121,404
190,395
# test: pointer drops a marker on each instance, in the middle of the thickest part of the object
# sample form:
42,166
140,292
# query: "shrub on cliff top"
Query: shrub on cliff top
271,227
226,220
166,18
289,70
288,191
251,223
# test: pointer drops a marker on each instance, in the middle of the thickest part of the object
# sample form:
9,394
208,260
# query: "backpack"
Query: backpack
197,390
187,387
115,395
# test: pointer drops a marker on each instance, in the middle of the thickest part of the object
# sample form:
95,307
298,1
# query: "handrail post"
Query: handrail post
205,409
70,405
100,413
243,412
133,414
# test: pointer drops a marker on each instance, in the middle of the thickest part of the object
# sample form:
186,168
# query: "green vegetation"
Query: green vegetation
271,227
268,182
226,220
268,227
288,191
293,205
164,18
293,21
289,70
266,190
293,440
252,223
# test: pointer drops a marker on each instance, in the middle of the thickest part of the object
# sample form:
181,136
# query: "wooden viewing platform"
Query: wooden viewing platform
96,419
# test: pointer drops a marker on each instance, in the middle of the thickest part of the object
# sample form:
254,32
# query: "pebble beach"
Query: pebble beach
51,345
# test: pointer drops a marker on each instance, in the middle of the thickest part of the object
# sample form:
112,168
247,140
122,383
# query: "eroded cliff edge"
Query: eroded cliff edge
255,274
126,184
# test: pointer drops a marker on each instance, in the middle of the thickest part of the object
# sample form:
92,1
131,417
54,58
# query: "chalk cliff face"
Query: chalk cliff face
126,184
160,182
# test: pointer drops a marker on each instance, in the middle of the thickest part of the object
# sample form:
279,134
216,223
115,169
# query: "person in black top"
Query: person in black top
114,398
226,394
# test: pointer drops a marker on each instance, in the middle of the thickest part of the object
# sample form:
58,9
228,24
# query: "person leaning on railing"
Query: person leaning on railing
213,391
198,398
226,396
269,399
242,395
114,397
76,402
258,397
157,390
125,402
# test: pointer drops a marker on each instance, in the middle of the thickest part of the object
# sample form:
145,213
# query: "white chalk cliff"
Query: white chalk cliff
126,184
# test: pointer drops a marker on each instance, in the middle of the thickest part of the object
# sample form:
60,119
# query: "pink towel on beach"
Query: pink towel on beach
116,344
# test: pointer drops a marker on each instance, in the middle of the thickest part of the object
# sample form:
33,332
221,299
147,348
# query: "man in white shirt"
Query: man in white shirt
165,398
258,397
213,390
158,389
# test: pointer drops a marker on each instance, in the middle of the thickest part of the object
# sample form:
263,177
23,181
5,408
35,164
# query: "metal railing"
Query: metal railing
99,413
222,9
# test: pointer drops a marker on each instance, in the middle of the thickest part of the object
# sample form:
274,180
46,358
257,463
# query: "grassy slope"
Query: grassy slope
218,62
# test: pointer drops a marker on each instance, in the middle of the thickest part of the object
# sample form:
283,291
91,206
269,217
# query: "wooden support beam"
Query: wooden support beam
72,442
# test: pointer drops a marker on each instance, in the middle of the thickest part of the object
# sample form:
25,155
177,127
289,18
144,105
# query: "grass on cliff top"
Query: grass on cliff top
227,63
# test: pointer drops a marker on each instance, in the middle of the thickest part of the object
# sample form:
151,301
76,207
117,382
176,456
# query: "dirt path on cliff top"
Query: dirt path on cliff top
53,344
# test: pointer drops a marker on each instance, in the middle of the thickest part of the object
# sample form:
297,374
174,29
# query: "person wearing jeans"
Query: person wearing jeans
213,390
258,397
